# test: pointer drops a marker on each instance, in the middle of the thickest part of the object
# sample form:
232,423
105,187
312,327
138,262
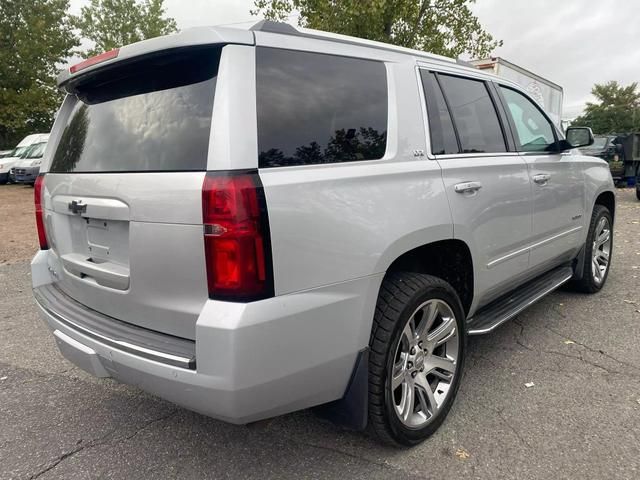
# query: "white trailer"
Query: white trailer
548,94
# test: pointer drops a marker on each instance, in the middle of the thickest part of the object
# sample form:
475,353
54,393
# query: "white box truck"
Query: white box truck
548,94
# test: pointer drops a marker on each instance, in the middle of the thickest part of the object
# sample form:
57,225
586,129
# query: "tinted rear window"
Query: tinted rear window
149,115
316,108
443,135
474,115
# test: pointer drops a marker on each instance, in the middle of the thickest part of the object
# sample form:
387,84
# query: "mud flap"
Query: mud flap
578,265
352,409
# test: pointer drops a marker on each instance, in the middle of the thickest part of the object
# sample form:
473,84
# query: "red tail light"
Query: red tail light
38,190
89,62
236,237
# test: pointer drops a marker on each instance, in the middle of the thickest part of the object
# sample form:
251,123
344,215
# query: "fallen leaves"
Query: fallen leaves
569,342
462,454
529,384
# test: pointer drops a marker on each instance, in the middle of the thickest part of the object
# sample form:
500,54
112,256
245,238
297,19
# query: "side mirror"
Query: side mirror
579,137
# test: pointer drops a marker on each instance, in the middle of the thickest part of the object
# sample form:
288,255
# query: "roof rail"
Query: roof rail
282,28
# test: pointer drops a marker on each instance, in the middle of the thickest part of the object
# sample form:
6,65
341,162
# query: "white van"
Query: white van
9,161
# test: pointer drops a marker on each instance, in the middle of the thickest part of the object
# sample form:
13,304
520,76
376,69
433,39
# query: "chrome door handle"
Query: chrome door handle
467,187
541,178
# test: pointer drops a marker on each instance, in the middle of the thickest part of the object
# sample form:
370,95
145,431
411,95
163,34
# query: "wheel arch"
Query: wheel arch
606,199
449,259
351,409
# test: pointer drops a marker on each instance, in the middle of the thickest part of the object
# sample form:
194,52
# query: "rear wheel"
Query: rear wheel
598,251
416,359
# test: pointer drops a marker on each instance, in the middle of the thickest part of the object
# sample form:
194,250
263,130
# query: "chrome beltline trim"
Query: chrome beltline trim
508,256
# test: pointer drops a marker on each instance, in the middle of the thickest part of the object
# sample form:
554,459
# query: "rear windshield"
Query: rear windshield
148,115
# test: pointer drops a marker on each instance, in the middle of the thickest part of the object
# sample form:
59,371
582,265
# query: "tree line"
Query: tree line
38,37
616,109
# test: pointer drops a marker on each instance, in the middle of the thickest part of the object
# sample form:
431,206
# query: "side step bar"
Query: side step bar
505,308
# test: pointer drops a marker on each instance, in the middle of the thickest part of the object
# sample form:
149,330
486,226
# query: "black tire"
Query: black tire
587,283
400,295
638,188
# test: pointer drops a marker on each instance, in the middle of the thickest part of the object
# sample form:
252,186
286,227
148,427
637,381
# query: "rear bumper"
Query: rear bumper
253,361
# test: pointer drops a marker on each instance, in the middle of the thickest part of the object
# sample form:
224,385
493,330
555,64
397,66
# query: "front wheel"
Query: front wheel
416,359
598,251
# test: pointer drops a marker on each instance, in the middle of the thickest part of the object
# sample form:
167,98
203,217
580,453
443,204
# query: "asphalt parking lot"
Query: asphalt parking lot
581,419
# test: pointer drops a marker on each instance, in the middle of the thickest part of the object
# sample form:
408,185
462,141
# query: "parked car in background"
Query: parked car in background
9,161
621,152
360,210
24,152
27,168
608,148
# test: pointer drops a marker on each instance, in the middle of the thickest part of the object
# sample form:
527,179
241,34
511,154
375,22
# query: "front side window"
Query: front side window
474,115
534,133
315,108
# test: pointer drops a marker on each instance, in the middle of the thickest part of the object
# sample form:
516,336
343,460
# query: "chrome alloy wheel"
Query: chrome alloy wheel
601,250
424,363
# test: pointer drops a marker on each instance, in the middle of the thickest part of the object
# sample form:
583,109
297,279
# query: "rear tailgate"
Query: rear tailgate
123,191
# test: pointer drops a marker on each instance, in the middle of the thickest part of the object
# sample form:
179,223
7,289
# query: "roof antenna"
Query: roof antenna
275,27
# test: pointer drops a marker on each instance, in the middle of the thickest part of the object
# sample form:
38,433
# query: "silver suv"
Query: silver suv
252,222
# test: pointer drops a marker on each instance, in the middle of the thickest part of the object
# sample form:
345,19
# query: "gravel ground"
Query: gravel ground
18,238
580,420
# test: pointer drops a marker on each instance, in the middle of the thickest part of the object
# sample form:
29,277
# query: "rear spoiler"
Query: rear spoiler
185,38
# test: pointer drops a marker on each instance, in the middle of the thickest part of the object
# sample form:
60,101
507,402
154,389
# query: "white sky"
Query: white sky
574,43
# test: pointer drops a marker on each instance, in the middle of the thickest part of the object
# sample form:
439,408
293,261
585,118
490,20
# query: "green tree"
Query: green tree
36,37
617,109
445,27
113,23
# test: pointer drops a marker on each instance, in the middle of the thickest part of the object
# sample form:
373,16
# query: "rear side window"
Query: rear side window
315,108
442,133
534,132
474,115
149,115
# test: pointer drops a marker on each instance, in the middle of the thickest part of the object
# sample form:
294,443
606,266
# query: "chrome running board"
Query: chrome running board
505,308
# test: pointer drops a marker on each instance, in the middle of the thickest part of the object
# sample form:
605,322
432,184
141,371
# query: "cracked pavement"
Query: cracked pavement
581,419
